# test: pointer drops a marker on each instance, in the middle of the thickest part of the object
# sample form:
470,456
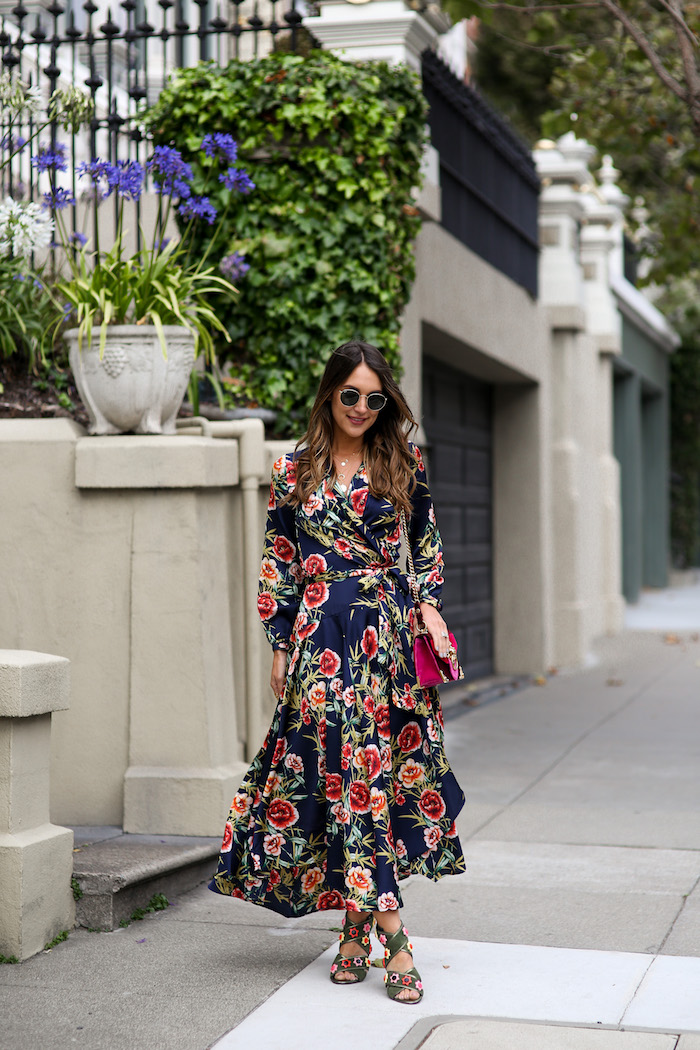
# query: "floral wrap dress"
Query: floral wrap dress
351,790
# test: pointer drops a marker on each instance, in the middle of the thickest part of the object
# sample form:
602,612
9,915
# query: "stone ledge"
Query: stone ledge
133,461
123,872
33,683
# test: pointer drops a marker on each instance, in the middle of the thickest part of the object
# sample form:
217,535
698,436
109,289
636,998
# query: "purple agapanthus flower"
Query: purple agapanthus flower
12,143
160,245
170,172
237,179
78,238
57,199
220,145
234,266
197,208
126,177
51,160
96,169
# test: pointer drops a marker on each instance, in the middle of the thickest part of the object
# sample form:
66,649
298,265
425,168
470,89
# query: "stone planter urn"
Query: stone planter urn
134,387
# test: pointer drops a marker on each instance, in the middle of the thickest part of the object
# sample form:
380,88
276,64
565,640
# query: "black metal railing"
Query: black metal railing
488,178
122,61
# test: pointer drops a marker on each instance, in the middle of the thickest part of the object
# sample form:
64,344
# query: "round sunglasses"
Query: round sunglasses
349,397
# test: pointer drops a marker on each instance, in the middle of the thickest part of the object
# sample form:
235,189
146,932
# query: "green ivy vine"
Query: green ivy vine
334,149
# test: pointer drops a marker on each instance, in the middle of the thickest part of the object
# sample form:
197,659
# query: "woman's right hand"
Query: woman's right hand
279,671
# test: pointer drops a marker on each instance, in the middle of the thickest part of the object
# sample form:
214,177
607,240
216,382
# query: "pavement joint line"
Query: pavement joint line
678,914
426,1026
568,750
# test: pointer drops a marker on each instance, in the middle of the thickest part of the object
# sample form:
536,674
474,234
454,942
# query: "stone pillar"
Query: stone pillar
36,856
390,30
628,449
185,756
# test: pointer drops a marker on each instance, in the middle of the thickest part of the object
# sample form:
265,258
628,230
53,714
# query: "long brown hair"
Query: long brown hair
388,459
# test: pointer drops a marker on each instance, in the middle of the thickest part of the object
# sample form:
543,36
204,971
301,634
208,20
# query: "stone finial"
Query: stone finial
607,177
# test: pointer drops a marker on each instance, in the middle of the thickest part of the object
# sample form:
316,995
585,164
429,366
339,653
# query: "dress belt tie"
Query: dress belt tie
371,575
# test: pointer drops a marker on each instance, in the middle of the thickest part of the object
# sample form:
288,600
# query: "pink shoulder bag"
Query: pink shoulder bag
431,668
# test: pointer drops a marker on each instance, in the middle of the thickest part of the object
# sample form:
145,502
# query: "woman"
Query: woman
351,790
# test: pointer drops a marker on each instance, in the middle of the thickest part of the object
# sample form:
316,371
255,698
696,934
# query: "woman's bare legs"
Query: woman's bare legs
388,922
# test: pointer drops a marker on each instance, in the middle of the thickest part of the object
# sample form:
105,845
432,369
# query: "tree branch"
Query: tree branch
690,69
642,42
675,12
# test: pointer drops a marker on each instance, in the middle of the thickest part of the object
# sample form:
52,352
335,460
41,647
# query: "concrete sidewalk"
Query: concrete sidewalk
579,915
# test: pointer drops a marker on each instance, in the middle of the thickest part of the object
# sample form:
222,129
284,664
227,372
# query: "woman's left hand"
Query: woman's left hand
437,627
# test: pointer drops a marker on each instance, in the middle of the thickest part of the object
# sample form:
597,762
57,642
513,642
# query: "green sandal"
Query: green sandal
356,965
395,981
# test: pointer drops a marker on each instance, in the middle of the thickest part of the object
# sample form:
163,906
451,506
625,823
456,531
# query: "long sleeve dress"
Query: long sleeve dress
351,790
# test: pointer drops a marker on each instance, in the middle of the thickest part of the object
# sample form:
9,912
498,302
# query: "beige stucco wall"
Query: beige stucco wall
556,540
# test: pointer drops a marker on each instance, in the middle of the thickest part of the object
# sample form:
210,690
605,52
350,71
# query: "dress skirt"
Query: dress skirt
351,791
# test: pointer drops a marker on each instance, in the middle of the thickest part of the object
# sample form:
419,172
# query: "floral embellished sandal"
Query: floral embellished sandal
397,982
356,966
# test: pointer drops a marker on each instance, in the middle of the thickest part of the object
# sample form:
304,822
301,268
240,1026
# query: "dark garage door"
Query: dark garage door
457,417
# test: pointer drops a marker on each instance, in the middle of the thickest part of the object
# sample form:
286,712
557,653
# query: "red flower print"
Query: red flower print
419,457
315,593
322,733
274,880
343,548
283,549
280,748
410,737
294,762
400,798
267,606
329,662
373,761
311,879
377,802
269,571
360,799
401,850
291,472
271,502
315,564
228,837
359,879
369,705
381,719
410,773
358,498
340,813
346,753
432,837
321,767
272,845
334,786
330,899
237,893
452,833
307,629
241,804
313,503
282,814
387,902
369,643
317,694
434,577
386,758
349,696
431,805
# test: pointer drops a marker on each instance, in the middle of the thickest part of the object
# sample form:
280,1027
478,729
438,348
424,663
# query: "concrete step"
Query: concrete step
119,873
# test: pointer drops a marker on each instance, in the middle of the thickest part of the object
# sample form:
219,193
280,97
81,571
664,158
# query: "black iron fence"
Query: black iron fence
488,178
122,61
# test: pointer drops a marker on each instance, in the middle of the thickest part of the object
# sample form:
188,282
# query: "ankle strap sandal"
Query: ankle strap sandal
395,981
355,966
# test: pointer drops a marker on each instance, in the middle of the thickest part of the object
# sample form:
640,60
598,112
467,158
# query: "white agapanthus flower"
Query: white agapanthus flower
24,228
16,98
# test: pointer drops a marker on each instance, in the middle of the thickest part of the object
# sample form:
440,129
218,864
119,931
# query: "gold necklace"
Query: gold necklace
343,463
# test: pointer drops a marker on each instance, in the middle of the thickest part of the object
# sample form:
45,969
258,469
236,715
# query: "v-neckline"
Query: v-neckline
346,491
